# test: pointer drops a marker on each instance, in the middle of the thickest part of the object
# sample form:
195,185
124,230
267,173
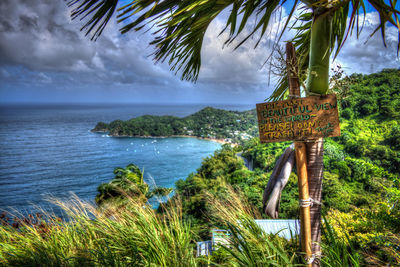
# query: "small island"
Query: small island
208,123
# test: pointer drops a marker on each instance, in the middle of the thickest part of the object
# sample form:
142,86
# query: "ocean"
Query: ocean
49,151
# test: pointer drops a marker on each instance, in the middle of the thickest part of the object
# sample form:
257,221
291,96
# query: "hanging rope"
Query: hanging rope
309,93
311,259
294,96
308,202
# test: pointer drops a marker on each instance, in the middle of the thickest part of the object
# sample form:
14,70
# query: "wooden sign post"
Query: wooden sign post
299,119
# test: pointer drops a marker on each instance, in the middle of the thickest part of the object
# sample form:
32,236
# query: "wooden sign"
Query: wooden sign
298,119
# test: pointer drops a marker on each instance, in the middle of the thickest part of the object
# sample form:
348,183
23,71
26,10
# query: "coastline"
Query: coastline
221,141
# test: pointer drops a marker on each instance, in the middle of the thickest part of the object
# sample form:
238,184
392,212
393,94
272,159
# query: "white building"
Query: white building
284,228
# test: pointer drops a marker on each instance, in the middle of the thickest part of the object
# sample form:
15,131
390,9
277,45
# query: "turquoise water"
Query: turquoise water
50,151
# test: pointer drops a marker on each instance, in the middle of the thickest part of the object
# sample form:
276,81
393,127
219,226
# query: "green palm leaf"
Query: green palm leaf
100,12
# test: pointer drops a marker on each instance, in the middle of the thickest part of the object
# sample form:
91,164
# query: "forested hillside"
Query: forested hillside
209,122
361,193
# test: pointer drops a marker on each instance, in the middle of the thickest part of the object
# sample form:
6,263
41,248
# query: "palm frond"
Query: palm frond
101,11
388,14
179,26
345,19
340,31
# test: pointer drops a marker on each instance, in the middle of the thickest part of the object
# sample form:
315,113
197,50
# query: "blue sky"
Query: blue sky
44,58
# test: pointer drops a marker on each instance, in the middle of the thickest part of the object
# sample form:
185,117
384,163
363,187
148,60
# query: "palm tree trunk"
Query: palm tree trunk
315,170
317,83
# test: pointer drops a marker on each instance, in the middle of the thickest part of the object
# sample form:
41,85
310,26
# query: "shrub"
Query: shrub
347,113
341,168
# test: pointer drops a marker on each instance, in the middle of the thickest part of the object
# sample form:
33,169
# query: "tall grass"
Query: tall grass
130,236
134,234
249,245
337,252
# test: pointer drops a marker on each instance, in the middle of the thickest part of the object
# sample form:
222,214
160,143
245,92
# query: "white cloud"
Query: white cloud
40,36
244,65
368,54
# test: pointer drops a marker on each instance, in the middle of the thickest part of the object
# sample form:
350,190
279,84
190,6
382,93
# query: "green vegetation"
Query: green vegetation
361,192
320,30
131,236
128,182
207,123
361,200
136,235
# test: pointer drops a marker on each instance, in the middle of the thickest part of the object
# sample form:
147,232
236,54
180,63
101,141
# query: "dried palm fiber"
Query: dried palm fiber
277,181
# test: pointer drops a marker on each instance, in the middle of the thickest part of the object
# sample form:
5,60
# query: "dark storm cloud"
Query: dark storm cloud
31,35
38,35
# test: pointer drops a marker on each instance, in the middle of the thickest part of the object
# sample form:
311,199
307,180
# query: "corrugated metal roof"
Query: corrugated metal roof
284,228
